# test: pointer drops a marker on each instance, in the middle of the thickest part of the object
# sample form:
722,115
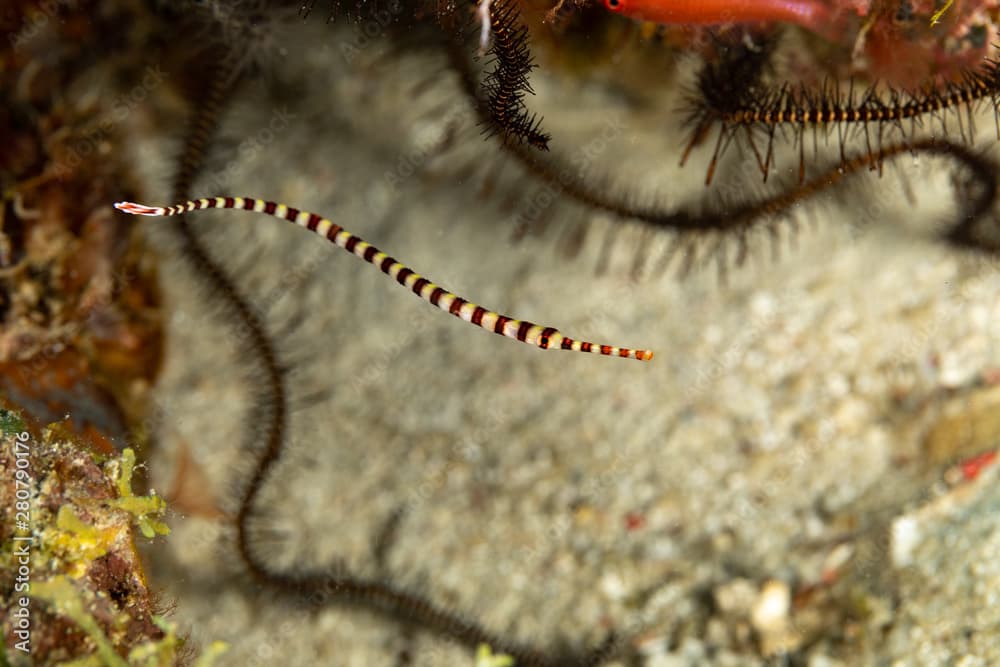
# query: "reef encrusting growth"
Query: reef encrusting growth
79,306
73,586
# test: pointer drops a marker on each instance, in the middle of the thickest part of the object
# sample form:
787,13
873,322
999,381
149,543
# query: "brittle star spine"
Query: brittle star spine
526,332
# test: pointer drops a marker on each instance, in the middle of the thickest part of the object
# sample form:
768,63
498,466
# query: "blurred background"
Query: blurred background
801,476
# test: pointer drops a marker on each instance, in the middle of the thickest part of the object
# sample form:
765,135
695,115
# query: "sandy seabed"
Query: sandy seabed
772,486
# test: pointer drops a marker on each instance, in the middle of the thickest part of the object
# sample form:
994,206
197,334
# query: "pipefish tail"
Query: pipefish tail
546,338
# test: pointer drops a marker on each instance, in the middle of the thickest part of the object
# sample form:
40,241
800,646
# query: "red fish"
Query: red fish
810,14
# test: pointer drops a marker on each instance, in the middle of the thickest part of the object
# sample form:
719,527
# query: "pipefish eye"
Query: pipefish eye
615,5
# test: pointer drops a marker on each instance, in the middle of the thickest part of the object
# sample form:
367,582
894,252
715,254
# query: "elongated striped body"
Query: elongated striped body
526,332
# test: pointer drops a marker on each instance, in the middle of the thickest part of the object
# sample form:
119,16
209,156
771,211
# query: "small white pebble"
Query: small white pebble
613,586
762,304
905,538
770,611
